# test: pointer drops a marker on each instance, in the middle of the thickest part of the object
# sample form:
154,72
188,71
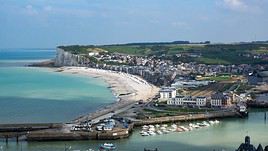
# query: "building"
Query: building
187,101
201,101
219,100
258,77
167,93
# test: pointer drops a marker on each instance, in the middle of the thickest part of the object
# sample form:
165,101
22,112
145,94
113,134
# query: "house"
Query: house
219,100
167,93
201,101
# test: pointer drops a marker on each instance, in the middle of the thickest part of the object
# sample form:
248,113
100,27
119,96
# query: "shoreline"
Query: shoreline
127,88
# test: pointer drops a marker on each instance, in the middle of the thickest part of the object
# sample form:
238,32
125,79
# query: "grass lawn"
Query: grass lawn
218,78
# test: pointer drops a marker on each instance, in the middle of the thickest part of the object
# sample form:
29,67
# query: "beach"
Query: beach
127,88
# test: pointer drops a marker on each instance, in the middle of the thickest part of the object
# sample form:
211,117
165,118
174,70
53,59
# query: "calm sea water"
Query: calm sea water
30,94
22,57
38,95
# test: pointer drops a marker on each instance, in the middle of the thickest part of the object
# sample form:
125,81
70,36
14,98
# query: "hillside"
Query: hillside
242,53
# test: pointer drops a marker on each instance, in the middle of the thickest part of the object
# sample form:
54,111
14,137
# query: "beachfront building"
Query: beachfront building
167,93
201,101
219,100
178,100
187,101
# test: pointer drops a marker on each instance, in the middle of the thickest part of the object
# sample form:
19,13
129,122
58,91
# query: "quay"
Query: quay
20,131
184,118
58,132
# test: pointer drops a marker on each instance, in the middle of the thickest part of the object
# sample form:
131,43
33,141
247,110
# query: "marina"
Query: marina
152,130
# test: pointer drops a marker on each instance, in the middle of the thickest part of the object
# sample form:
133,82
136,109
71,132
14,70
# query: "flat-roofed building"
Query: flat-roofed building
167,93
201,101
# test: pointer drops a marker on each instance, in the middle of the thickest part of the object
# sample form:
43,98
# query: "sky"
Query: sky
49,23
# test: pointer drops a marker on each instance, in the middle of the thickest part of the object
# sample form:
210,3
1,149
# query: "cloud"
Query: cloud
237,5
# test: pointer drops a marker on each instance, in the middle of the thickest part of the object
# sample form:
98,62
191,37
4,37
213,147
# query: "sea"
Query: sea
41,95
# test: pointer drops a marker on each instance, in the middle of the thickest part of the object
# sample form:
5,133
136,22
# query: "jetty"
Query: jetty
184,118
20,131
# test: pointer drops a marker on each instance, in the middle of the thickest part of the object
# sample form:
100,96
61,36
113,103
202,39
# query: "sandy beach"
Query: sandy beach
127,88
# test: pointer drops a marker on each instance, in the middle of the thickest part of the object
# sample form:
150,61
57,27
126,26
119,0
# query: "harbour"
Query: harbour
203,138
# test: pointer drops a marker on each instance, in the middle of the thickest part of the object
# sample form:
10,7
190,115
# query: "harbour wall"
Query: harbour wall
117,133
184,118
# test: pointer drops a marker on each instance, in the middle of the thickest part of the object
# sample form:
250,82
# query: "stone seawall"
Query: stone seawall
117,133
183,118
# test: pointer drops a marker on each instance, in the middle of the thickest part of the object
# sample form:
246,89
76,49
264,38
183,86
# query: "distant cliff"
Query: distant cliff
64,58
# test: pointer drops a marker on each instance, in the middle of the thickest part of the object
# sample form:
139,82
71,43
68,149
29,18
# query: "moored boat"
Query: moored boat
107,147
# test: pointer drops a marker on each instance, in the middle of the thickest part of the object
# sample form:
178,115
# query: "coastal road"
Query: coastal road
106,112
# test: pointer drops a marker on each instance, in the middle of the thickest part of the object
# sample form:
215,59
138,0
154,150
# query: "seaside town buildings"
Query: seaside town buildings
188,101
220,100
154,69
258,77
217,100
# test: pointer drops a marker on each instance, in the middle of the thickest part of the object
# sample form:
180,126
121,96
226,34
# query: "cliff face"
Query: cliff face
64,58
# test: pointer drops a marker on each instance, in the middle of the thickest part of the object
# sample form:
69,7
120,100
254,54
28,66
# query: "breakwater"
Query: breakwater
118,133
183,118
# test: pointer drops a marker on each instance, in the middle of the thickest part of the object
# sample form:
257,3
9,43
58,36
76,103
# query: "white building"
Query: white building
187,101
167,93
178,100
201,101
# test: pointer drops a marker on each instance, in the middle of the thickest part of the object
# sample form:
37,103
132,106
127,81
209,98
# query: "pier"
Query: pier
20,131
183,118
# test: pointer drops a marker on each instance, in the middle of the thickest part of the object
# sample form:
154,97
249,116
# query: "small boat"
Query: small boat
145,134
184,128
165,131
190,128
159,132
164,125
174,126
206,123
217,122
211,122
151,133
180,129
151,126
145,127
107,146
151,129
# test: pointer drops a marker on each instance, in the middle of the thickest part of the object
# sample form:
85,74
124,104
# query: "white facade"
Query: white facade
216,102
187,100
167,93
201,101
